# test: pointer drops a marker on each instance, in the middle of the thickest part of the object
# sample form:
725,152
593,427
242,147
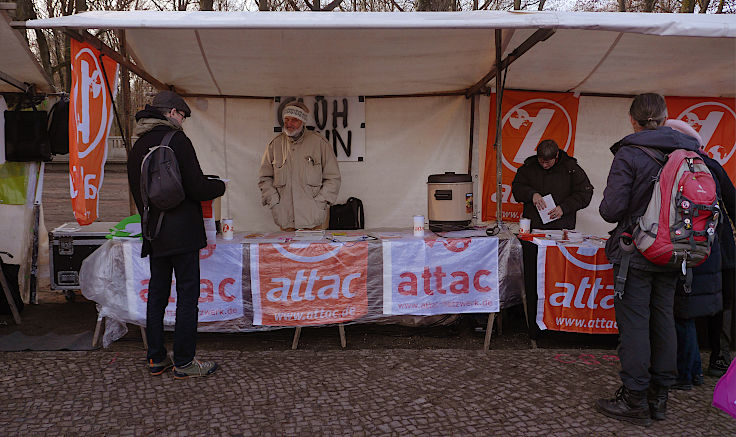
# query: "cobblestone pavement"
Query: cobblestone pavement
340,392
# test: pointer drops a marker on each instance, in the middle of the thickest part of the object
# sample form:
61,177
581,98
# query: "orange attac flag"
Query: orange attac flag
90,119
528,118
715,120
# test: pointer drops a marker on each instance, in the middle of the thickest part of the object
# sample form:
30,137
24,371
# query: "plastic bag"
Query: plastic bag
724,395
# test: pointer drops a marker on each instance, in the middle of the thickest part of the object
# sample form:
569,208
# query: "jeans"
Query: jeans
186,268
688,353
646,324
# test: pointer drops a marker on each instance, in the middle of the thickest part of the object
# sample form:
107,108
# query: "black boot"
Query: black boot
627,405
657,398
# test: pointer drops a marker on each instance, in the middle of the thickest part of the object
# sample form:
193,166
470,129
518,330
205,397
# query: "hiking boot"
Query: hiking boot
657,399
161,367
195,368
719,366
627,405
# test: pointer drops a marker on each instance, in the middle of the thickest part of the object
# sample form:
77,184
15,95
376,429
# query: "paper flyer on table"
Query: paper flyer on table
549,204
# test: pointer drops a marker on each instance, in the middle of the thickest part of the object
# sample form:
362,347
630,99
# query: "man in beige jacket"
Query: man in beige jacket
299,177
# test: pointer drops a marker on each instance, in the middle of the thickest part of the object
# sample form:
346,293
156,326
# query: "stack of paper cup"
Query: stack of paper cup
227,229
524,226
418,225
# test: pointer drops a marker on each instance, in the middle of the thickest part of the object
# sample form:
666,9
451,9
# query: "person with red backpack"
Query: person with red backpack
710,286
644,291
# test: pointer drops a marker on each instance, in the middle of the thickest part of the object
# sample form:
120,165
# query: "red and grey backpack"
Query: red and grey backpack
679,224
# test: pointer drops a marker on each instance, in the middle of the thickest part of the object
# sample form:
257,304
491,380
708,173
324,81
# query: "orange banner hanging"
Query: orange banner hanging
715,120
575,290
90,119
528,118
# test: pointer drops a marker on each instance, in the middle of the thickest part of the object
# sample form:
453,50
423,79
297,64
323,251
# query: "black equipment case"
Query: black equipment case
69,245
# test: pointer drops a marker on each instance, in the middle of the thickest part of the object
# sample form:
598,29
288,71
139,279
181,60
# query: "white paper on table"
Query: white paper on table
549,205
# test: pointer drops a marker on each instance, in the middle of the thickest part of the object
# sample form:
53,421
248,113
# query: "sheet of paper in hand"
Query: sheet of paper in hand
549,205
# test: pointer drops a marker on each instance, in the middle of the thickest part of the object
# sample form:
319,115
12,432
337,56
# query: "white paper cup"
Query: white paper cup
418,225
227,229
524,225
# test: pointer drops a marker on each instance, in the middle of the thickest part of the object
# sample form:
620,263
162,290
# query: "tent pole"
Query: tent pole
106,50
498,145
472,128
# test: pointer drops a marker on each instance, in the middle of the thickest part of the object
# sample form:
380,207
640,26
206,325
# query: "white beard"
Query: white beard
293,133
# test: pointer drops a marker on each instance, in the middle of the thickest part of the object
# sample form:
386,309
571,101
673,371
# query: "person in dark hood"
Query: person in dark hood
552,171
181,236
644,312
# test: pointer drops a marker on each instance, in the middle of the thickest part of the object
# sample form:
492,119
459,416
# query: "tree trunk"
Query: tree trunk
541,5
649,5
720,7
703,5
688,6
263,5
206,5
517,5
622,5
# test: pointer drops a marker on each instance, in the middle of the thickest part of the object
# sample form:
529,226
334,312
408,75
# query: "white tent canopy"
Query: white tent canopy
217,57
334,53
17,62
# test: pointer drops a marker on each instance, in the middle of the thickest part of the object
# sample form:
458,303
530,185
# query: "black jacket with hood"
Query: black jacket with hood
706,297
565,181
630,184
182,229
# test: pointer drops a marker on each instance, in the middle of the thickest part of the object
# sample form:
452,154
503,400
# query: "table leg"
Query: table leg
143,337
489,328
98,327
297,333
341,328
9,297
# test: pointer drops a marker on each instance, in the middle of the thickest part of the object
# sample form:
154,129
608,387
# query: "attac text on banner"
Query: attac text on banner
301,284
439,276
575,290
221,283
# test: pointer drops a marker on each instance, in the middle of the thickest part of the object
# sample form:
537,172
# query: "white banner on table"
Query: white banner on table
221,285
440,276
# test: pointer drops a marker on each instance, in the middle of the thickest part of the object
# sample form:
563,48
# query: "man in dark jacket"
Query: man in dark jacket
647,340
552,171
182,235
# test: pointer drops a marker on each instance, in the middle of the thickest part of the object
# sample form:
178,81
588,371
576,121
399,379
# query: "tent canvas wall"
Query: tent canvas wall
227,63
18,70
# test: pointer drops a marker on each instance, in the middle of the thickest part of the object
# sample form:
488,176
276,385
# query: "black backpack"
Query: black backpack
160,184
348,215
58,126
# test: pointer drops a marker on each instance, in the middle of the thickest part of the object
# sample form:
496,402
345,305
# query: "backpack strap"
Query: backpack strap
659,156
144,197
626,242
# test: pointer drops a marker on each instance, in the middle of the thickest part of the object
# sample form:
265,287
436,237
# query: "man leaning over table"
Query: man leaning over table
299,177
552,171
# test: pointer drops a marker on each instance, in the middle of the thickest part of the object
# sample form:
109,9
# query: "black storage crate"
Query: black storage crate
69,245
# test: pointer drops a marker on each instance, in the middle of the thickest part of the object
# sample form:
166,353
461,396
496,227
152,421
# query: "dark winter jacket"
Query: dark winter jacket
630,184
182,229
705,297
565,181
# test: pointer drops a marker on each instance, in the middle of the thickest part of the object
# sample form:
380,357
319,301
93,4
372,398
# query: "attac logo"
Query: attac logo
715,121
89,125
528,118
309,283
577,291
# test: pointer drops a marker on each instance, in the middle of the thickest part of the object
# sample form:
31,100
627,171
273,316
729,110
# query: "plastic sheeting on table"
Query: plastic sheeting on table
263,286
